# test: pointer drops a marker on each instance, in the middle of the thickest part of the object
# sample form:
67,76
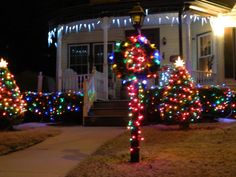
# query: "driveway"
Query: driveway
57,155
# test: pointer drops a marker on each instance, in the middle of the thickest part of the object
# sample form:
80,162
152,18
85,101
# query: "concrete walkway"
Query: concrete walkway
57,155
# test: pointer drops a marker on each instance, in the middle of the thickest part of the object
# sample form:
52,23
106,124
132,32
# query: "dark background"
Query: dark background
24,28
23,36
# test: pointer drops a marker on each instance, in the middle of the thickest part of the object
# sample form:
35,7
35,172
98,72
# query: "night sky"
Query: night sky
23,36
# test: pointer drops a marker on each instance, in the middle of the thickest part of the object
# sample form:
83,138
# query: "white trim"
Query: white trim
121,22
207,56
105,26
59,61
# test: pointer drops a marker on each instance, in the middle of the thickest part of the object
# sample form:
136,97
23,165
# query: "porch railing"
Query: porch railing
71,81
204,78
200,77
93,89
89,95
81,79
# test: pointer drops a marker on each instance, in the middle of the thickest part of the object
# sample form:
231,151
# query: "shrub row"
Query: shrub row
56,106
217,101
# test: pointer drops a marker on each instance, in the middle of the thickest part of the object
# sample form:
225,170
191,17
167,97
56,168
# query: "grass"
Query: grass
11,141
206,150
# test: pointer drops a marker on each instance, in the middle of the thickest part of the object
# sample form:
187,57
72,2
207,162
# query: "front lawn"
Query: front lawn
11,141
204,150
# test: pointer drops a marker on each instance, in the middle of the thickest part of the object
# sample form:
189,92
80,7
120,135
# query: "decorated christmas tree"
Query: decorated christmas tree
11,102
180,102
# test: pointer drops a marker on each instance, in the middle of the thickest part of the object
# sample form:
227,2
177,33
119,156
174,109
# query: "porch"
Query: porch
94,83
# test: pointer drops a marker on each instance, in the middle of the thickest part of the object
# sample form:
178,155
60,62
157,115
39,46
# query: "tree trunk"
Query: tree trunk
184,125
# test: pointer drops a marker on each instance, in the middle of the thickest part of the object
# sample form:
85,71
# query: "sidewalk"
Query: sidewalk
57,155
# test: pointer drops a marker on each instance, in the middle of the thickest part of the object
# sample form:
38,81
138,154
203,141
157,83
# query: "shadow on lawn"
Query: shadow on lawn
194,126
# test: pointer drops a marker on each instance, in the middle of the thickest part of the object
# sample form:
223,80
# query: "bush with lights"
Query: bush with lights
216,102
153,99
11,102
54,106
233,105
153,96
180,99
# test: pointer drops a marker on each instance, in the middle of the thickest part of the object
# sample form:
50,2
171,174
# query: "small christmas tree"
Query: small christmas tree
180,102
11,103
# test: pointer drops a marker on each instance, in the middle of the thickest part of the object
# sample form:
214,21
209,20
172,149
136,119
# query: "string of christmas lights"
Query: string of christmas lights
134,61
11,102
124,21
136,106
217,101
135,57
181,102
53,105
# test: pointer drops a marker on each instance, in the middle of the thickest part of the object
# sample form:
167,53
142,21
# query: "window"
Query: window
98,55
79,58
205,57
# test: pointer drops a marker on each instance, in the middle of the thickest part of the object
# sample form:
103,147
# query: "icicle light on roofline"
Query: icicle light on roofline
125,21
197,8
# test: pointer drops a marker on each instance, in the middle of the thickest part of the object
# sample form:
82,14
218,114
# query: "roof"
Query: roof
73,10
225,3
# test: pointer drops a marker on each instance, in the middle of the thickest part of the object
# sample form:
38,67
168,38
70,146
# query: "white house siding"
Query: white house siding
170,32
81,37
217,50
87,37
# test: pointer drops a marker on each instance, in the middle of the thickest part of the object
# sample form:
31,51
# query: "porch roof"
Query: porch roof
72,10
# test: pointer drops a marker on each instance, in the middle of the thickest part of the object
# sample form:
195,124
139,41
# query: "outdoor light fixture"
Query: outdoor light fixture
164,41
204,9
137,17
200,9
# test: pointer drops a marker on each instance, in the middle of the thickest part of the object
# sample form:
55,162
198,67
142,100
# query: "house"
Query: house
202,32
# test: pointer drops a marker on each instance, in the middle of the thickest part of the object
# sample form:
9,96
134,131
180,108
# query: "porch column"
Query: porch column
180,34
59,58
188,42
219,59
105,26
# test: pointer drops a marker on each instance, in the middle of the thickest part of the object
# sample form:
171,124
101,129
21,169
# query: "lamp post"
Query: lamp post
135,61
137,17
136,90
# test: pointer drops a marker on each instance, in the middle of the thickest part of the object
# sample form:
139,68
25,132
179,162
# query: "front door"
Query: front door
98,63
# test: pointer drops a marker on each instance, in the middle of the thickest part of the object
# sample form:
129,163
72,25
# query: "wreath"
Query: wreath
135,57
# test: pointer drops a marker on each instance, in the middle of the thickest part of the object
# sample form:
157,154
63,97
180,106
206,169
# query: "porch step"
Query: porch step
118,111
108,113
111,104
106,120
